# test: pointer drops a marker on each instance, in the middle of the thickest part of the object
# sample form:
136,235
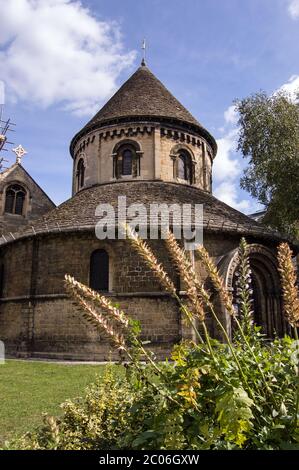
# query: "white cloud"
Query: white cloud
292,87
228,166
228,193
293,9
55,51
231,115
225,166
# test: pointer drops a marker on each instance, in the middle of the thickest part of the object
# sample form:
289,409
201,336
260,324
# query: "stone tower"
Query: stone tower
143,133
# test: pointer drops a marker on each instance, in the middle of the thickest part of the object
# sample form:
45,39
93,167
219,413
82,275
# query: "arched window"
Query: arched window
266,302
99,271
126,161
80,173
14,200
184,166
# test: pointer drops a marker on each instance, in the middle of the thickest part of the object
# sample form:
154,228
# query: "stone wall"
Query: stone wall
17,267
38,319
156,144
55,327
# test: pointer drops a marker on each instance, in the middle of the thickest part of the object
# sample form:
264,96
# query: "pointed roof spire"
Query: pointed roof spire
143,96
143,47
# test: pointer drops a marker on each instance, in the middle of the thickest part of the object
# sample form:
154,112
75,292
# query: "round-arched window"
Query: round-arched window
126,161
184,166
80,174
99,271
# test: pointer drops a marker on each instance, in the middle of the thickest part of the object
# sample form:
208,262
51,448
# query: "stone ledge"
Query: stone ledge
64,296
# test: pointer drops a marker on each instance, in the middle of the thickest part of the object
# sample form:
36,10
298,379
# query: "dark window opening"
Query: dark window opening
20,198
15,199
99,271
9,203
126,162
80,173
181,167
184,167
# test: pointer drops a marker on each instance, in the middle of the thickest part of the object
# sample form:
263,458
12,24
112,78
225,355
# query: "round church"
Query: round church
145,147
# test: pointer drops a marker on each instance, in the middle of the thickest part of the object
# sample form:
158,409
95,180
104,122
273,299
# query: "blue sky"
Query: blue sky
61,60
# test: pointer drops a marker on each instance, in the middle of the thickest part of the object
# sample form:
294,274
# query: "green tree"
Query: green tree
269,138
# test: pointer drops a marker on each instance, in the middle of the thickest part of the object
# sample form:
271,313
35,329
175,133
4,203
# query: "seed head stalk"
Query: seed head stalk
289,287
227,301
82,296
150,259
186,270
290,302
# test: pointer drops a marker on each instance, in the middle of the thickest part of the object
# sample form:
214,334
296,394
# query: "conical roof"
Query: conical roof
144,96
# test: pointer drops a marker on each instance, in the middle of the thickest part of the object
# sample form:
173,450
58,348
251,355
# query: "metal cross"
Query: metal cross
20,152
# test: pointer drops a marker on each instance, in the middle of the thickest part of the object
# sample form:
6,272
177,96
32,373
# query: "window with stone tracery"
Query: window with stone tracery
15,199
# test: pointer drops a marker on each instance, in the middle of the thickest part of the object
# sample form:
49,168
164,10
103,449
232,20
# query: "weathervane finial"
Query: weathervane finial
143,47
20,153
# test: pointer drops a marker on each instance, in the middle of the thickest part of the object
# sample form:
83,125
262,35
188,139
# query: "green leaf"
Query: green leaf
235,415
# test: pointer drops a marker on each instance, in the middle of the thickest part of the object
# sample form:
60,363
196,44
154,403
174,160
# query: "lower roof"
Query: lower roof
78,213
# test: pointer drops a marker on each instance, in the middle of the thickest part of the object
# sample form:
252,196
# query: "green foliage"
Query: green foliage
213,411
235,415
269,138
242,394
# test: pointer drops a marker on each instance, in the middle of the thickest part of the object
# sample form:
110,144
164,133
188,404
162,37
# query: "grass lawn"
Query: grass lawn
27,389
